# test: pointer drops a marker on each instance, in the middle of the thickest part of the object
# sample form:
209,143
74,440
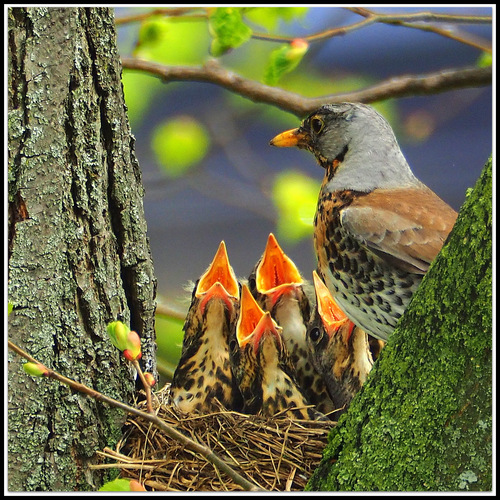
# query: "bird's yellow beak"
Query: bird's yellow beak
288,139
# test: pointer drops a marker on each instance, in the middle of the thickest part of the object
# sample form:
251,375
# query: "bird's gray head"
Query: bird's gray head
357,146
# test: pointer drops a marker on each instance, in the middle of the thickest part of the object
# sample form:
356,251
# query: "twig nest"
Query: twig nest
276,454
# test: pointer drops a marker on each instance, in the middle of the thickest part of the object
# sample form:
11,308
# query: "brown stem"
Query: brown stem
292,102
147,387
151,417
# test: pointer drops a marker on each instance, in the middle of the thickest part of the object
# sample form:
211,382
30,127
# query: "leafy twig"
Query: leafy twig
151,417
403,86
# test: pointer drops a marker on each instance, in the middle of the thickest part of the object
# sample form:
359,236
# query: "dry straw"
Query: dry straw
275,454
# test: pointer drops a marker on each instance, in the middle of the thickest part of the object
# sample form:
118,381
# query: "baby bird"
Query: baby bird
338,349
262,365
204,373
279,288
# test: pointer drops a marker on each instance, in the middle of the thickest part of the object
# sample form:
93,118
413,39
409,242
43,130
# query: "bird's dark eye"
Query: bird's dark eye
315,334
252,283
317,124
233,344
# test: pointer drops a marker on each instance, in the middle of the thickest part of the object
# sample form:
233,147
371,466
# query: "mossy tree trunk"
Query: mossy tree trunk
423,420
78,252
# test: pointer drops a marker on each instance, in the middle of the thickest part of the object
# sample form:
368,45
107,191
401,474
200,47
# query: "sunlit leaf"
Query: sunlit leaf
227,29
284,60
295,196
179,144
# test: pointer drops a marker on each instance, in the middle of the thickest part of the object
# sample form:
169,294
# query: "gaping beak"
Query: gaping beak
266,326
253,322
334,319
218,280
294,137
250,315
276,272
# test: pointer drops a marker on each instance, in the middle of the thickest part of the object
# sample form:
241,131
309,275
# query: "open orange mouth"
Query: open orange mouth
332,316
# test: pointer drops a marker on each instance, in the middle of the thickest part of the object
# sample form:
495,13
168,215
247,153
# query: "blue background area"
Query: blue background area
223,200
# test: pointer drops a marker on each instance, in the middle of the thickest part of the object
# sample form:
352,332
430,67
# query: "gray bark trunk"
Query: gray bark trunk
78,252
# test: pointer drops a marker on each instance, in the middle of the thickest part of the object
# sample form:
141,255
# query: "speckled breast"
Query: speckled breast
372,294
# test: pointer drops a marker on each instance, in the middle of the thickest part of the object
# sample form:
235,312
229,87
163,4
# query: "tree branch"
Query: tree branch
403,86
151,417
403,20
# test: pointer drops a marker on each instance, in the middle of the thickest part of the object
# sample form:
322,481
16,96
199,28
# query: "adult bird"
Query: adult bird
338,349
203,374
262,365
377,227
278,287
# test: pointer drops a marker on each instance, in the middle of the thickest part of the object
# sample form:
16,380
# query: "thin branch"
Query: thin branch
145,383
425,16
402,20
404,86
411,20
151,417
398,20
170,311
171,12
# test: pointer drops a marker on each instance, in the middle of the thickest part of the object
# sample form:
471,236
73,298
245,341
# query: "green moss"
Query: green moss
423,420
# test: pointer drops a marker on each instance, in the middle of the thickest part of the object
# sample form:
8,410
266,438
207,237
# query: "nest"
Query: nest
277,453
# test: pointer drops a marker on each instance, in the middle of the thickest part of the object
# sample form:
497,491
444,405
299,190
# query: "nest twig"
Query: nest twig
276,453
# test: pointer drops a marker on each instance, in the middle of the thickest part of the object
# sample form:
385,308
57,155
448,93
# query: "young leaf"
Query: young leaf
121,484
133,347
35,369
227,29
118,333
284,60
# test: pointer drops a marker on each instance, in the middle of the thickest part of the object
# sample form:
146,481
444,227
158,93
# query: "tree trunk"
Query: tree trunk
423,420
78,253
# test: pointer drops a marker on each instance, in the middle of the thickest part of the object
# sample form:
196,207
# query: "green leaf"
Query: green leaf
117,485
35,369
295,196
228,30
9,308
179,144
284,60
118,333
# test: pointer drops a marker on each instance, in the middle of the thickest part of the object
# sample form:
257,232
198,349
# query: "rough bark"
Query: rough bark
78,252
423,421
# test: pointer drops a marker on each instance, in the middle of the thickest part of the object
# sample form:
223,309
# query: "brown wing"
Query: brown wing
406,227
